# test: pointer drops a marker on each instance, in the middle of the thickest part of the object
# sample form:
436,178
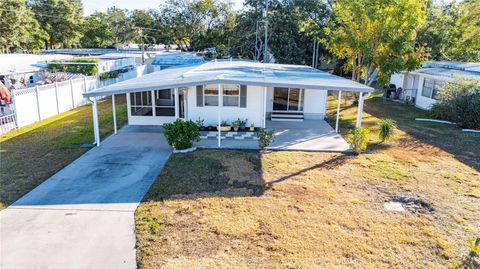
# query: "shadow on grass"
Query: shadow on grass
327,164
225,173
207,173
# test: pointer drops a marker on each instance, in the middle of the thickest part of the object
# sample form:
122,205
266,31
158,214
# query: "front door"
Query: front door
287,99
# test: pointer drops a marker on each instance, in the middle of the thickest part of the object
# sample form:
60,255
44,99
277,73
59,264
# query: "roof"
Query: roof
450,70
177,59
16,63
234,72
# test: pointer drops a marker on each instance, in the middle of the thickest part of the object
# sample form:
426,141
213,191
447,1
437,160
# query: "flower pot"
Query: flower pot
252,129
225,128
235,129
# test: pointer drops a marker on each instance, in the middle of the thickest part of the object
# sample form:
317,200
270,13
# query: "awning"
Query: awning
234,72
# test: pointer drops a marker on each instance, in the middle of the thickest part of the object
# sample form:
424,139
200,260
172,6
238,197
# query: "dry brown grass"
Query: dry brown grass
314,210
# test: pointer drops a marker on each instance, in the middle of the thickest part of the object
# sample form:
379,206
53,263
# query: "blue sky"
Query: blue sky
91,6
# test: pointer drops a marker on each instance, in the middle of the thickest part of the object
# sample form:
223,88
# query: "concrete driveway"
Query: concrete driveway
83,216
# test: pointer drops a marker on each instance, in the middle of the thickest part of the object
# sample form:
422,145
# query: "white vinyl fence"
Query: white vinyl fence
42,102
7,123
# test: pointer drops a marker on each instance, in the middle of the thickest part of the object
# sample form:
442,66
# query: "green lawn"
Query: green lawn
30,155
236,209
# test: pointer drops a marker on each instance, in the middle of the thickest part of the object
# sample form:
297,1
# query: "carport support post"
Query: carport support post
264,122
114,115
96,130
360,111
177,104
338,110
219,110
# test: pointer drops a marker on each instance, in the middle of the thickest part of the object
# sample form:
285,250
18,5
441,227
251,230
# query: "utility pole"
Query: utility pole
141,45
265,52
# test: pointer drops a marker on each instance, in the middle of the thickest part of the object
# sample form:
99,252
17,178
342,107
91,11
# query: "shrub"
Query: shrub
459,102
86,69
358,138
387,129
441,111
180,134
265,138
471,260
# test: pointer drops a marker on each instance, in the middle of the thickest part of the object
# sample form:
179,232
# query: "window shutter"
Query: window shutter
200,95
243,95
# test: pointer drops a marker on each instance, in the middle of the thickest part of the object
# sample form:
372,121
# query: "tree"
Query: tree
437,30
186,20
143,25
119,25
61,19
96,32
466,32
292,27
377,37
220,24
19,30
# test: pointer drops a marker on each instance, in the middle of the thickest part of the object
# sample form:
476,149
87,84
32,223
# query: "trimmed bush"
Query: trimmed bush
387,129
358,138
180,134
459,102
86,69
265,138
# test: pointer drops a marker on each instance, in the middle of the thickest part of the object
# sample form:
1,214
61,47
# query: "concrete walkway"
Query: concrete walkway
308,135
83,216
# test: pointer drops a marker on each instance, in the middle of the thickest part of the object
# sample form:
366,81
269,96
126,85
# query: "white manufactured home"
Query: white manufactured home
421,86
229,90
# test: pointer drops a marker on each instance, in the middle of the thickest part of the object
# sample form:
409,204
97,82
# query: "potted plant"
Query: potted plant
236,125
243,124
224,126
200,124
252,127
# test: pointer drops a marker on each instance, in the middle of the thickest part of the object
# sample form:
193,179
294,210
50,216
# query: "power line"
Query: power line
145,28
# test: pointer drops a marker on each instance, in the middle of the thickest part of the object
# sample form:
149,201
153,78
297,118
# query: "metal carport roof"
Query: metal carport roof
234,72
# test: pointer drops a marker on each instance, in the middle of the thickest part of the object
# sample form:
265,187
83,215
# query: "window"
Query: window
231,95
210,93
141,103
288,99
164,102
431,87
438,85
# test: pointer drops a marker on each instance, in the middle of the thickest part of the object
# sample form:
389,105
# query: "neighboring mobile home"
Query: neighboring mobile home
172,59
227,90
421,86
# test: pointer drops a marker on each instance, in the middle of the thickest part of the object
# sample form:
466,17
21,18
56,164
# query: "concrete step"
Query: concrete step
287,116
